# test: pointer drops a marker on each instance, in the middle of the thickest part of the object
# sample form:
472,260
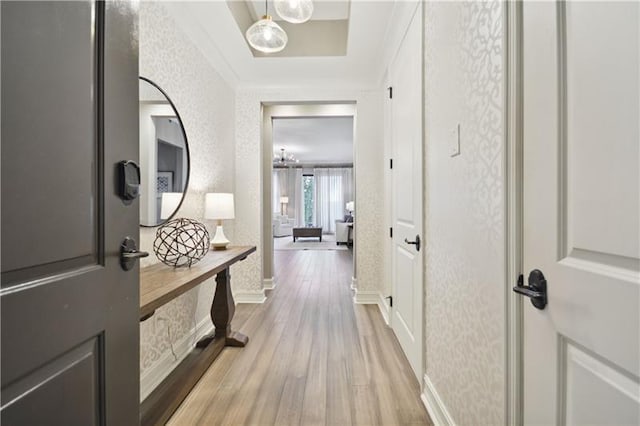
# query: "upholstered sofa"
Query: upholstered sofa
282,226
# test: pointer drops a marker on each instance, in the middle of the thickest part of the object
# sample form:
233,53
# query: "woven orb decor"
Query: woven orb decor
181,242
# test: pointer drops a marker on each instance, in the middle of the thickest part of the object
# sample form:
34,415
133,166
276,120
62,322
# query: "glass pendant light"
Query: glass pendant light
294,11
265,35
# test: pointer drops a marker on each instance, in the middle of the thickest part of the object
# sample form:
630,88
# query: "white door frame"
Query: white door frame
271,110
413,10
514,391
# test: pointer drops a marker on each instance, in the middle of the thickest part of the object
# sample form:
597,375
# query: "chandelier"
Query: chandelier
284,159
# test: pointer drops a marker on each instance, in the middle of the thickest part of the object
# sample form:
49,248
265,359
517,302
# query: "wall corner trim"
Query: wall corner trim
434,405
268,283
372,298
385,310
256,296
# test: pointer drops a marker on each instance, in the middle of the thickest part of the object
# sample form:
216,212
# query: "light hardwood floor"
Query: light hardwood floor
313,358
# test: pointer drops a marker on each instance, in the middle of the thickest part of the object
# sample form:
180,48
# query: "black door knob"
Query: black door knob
536,290
129,253
415,243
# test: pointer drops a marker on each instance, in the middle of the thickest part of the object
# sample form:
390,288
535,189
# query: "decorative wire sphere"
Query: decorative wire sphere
181,242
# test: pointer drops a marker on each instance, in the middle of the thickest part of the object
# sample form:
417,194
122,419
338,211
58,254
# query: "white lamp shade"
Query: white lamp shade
350,206
169,203
284,200
266,36
294,11
219,205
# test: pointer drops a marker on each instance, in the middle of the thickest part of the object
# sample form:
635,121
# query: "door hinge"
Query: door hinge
390,89
390,301
391,163
391,232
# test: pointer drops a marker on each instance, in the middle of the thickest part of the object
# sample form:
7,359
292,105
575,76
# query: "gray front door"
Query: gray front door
69,313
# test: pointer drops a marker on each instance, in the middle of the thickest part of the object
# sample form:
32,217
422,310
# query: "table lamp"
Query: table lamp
219,206
283,204
350,206
169,204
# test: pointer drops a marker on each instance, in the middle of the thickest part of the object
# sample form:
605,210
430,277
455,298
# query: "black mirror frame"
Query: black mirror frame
186,145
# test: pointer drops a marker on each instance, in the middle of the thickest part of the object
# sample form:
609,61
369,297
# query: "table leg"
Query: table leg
222,310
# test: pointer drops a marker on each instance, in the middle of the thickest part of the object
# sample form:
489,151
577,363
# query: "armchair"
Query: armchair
282,226
342,231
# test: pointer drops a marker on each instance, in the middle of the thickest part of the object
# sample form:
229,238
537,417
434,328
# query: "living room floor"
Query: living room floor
308,243
313,357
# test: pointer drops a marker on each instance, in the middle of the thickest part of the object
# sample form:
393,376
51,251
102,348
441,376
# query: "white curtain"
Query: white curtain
347,186
279,185
298,201
275,191
288,183
333,189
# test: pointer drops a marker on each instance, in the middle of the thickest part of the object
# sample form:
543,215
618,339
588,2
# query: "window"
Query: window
307,192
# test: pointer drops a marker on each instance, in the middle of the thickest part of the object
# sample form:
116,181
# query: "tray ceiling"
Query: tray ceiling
352,55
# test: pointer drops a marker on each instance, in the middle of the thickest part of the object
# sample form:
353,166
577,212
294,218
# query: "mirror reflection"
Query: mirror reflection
164,156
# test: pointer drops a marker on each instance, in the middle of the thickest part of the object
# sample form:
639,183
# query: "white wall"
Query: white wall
464,210
206,105
149,159
464,196
369,178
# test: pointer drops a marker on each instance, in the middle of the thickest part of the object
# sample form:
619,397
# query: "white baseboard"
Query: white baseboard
155,374
372,298
257,296
434,405
268,284
366,297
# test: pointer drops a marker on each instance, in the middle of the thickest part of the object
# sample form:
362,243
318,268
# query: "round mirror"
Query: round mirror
164,156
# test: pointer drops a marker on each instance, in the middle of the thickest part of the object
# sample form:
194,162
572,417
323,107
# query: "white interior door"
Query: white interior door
581,214
406,139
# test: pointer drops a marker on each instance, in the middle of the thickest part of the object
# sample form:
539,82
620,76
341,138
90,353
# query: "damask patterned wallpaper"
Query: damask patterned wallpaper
464,208
206,105
369,177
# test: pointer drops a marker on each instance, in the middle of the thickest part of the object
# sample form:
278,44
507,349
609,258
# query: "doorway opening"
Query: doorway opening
308,183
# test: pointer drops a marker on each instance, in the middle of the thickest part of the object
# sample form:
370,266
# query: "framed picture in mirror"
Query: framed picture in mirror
164,182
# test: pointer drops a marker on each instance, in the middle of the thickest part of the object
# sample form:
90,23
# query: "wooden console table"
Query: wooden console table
159,284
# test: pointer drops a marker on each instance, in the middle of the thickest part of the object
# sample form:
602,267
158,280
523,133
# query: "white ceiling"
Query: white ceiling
374,32
318,140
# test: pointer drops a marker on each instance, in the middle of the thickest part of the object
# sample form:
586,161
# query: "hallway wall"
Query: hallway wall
206,105
464,210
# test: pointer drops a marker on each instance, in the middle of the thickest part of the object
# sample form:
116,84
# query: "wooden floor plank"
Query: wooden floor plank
313,358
